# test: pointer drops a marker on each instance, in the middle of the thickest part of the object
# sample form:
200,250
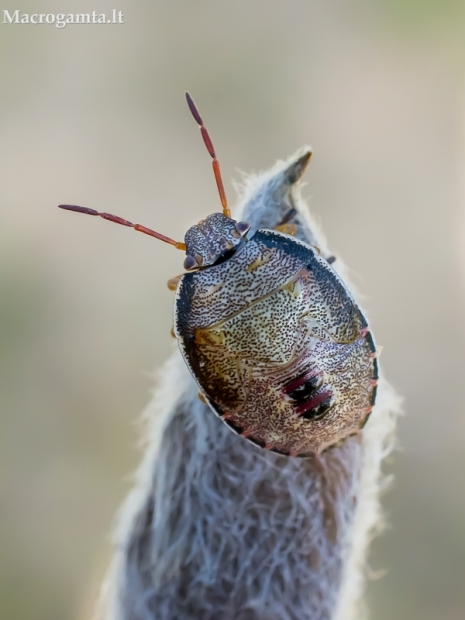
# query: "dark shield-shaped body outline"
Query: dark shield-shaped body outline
274,340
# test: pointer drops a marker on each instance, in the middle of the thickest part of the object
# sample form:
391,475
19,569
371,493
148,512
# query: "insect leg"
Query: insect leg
284,226
291,229
287,229
287,217
172,283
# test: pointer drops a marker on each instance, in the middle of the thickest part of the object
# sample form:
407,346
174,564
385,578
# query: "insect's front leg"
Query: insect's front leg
172,283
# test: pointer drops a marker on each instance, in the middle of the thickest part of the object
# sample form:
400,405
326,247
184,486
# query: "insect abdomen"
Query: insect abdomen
287,362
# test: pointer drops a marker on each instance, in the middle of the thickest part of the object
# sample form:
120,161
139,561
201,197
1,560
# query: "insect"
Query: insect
278,347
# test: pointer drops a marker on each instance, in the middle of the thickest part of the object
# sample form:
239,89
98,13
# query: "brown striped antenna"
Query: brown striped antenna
123,222
211,150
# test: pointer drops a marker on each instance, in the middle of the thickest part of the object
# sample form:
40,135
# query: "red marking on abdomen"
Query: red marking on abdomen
313,402
290,387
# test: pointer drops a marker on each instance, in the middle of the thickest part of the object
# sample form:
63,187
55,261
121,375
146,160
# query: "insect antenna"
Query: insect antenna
211,150
123,222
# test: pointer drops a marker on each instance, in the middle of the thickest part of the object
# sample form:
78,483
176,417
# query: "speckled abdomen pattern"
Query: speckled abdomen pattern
253,325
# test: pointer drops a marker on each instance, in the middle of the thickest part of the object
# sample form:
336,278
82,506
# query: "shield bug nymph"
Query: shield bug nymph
278,347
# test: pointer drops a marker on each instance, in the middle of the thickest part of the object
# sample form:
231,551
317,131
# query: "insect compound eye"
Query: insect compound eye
190,263
242,228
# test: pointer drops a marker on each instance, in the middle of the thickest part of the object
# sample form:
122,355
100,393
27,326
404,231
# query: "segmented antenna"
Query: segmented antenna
120,220
211,150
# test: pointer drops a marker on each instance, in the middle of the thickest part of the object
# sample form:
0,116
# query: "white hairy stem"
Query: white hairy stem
216,528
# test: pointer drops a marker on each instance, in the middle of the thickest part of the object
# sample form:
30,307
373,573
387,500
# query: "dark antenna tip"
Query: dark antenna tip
193,109
209,144
79,209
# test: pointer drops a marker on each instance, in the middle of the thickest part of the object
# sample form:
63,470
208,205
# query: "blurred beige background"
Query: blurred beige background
95,115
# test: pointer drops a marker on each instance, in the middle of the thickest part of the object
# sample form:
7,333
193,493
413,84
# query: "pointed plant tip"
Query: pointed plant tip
305,158
297,167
